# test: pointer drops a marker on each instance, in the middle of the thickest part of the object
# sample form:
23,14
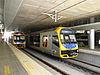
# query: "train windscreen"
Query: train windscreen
67,36
21,37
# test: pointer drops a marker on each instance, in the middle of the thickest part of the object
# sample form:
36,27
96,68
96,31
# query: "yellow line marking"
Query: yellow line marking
31,66
27,69
6,70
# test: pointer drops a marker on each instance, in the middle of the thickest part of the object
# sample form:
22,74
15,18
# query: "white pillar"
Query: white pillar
92,39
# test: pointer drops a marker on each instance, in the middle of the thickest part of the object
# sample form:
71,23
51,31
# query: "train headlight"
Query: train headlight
77,51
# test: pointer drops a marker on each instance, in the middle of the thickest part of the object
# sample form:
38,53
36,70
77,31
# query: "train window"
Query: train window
14,37
72,38
62,36
19,38
55,40
67,38
45,41
22,37
36,40
31,40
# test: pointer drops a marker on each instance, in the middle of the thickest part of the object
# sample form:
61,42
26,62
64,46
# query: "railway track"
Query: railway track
48,64
68,62
84,65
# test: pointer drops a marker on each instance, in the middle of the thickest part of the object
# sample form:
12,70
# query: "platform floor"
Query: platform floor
87,48
15,62
9,64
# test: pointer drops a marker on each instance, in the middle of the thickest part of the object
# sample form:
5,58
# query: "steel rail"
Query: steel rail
73,63
48,64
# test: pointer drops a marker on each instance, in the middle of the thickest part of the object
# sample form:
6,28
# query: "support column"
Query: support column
92,39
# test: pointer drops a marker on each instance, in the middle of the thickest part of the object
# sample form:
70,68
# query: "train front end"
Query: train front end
19,40
68,45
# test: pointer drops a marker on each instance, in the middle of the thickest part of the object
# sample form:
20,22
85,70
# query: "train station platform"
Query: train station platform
87,48
91,56
15,62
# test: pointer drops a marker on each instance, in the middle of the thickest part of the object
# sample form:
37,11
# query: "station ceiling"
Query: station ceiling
28,15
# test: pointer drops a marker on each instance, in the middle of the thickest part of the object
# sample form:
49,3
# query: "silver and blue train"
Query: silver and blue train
59,42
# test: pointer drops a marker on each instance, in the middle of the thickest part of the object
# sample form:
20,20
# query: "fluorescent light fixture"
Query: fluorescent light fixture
80,31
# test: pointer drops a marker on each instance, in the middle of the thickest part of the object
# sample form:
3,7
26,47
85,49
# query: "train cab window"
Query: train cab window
72,38
55,40
64,38
22,37
19,37
14,37
67,38
45,41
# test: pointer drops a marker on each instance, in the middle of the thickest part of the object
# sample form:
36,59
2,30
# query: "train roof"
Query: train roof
18,33
55,29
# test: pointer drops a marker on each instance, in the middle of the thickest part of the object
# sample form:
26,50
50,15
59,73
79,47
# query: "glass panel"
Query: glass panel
62,36
45,41
14,37
55,40
72,38
67,38
22,37
19,38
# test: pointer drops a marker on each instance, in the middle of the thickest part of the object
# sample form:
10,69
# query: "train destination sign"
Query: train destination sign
63,31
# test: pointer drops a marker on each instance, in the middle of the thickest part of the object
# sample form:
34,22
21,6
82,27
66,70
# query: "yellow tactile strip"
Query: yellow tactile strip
32,67
6,70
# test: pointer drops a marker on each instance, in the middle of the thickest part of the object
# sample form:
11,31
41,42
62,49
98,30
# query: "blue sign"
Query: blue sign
66,31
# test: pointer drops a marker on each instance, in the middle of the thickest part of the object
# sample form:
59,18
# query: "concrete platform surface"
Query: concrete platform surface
15,62
31,66
9,64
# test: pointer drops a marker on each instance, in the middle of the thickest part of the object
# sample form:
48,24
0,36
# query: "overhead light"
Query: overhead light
80,31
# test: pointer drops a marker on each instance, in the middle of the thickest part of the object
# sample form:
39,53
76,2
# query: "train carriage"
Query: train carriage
59,42
18,39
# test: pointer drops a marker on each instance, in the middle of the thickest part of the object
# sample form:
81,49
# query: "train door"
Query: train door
45,41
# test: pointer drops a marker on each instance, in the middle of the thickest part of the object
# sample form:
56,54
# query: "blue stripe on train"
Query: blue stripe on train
70,45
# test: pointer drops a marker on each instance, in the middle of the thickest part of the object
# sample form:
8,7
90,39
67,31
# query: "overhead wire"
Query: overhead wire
72,6
63,9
